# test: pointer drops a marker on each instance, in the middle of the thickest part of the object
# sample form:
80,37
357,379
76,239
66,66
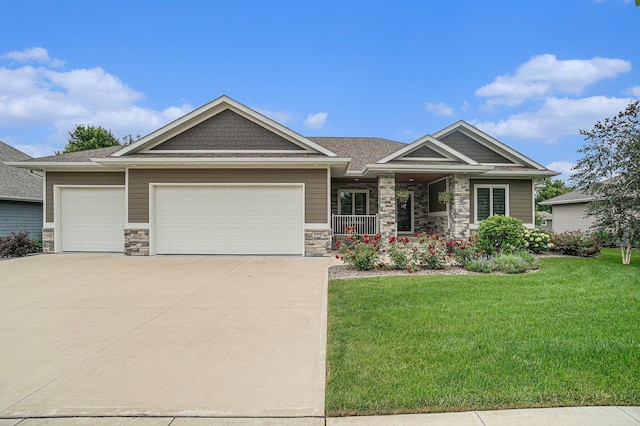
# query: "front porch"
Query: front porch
372,206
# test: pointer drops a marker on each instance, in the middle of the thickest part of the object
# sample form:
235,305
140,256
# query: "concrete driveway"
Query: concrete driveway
110,335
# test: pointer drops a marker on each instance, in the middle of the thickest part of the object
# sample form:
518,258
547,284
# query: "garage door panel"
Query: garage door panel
92,219
229,219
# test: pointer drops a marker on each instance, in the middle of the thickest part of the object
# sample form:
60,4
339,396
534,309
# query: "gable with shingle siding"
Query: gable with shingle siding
473,149
227,130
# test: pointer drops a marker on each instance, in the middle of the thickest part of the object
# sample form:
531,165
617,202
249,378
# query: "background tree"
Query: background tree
89,137
551,188
610,171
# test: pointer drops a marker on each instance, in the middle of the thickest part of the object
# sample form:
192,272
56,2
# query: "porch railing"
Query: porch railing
361,223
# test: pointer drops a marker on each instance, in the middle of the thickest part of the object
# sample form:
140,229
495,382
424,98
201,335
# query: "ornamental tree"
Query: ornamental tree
89,137
609,171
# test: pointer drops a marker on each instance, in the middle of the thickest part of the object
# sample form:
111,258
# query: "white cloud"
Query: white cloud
556,118
316,121
564,167
46,97
34,54
282,117
439,108
545,75
634,91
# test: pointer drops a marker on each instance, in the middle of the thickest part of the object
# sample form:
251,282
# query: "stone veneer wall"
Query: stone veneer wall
387,204
438,225
460,207
317,243
136,242
48,246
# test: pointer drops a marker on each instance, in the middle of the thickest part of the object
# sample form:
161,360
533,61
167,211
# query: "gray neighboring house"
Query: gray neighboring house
20,195
546,221
225,179
569,211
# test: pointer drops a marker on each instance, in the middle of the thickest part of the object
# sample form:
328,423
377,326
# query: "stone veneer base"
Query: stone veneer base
48,246
136,242
317,243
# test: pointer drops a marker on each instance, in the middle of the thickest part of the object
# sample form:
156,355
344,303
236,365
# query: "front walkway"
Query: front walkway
112,335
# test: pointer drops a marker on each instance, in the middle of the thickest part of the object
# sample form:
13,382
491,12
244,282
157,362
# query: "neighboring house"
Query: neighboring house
569,211
225,179
546,221
20,195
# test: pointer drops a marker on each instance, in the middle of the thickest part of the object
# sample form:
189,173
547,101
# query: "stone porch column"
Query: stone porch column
387,204
460,208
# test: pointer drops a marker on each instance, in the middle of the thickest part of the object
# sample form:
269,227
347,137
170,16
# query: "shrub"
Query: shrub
400,253
481,263
17,245
497,234
576,243
363,252
515,263
462,250
607,239
537,241
431,252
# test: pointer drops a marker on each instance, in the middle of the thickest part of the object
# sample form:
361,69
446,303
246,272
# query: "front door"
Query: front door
404,216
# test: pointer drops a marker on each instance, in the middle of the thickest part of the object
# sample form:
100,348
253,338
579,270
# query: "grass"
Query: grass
568,335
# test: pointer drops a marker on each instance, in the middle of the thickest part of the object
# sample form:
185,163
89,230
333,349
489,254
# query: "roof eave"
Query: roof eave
181,161
559,202
25,199
54,165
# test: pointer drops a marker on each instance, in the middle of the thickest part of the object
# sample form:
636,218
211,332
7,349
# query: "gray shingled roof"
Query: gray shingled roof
362,151
575,196
80,156
17,183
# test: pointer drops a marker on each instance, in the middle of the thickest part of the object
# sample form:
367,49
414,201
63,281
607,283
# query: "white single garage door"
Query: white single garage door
92,219
229,219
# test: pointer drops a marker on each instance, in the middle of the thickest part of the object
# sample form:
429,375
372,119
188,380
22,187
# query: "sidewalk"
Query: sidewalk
569,416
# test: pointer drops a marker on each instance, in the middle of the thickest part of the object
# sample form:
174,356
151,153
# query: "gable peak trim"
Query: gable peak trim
211,109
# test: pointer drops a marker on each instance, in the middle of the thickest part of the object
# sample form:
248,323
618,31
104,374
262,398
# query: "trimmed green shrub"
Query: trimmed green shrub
576,243
17,245
498,234
515,263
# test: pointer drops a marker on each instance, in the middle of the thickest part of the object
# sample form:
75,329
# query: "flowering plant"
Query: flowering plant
361,251
431,252
537,241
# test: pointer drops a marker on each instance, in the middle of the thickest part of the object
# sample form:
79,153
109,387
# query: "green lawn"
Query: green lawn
564,336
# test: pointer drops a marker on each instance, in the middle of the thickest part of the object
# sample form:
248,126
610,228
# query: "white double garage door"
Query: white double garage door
189,219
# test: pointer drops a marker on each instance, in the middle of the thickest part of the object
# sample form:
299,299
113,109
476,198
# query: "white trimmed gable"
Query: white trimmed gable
282,140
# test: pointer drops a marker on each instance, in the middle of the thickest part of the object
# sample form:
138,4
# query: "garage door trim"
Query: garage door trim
57,210
152,202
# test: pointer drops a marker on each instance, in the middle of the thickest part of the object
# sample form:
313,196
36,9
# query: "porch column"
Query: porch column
460,207
387,204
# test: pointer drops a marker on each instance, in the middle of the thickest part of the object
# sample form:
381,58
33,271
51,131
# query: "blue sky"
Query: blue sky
528,73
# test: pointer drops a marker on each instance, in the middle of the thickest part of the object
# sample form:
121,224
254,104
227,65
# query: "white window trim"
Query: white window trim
491,187
365,191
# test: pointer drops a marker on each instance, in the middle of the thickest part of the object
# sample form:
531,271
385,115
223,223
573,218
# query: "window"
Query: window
353,202
491,200
435,208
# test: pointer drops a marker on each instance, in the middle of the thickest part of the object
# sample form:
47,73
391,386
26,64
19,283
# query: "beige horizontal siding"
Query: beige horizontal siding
520,197
315,184
77,178
571,217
